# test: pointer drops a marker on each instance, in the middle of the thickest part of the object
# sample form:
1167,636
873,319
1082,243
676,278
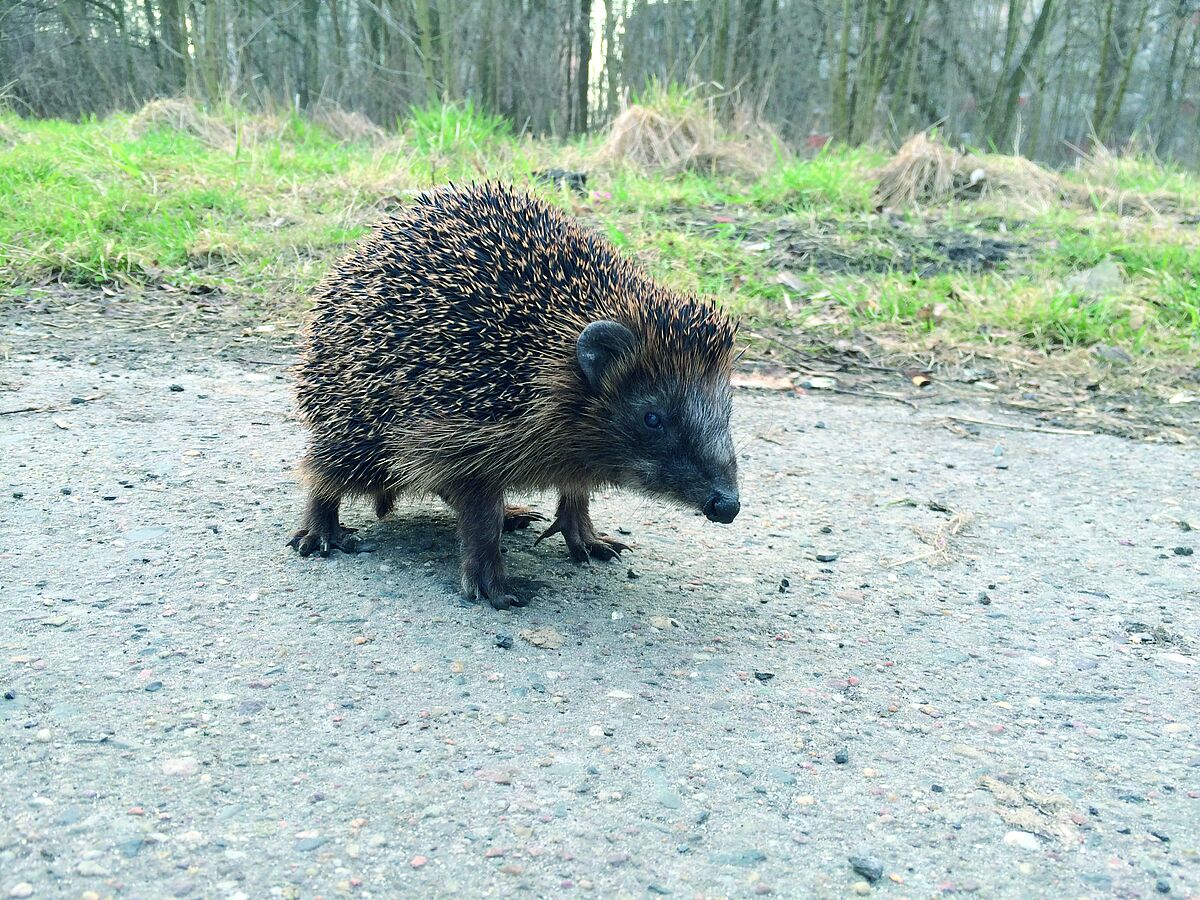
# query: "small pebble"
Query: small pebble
504,641
869,867
842,756
827,557
177,389
183,765
1183,551
861,888
764,676
1023,839
21,889
43,736
154,686
1162,886
417,862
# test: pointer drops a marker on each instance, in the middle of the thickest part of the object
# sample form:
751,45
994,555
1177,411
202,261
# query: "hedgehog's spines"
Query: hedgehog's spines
444,344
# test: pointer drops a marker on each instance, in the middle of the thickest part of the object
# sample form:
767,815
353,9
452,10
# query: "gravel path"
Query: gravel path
966,660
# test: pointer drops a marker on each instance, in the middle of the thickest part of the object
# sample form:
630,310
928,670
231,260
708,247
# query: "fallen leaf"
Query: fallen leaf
820,383
933,312
762,381
1047,815
789,280
1183,397
756,247
547,637
919,377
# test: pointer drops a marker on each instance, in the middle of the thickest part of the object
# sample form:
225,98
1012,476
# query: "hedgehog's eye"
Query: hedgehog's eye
653,420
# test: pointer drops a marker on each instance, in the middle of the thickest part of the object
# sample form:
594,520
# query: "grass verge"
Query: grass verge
256,209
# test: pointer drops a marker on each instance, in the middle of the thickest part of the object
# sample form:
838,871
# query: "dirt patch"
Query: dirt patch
923,246
1072,392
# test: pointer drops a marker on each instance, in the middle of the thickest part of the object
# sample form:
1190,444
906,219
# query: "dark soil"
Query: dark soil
923,247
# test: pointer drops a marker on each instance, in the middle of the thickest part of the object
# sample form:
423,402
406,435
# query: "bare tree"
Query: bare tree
1042,74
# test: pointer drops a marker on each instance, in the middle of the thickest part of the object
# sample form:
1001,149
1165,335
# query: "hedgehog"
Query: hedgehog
483,343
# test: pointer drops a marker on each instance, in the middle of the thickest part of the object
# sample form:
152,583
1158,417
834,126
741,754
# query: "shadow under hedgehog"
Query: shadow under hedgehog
483,342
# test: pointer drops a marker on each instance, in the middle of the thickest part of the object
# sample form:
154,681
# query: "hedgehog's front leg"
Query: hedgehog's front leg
480,509
574,523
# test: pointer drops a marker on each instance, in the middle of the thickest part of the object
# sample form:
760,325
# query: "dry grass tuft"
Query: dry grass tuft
922,171
927,170
690,139
1102,169
941,543
185,116
1011,178
347,125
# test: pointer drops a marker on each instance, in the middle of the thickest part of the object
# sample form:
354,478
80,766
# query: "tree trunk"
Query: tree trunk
1000,126
1125,43
583,52
308,72
425,35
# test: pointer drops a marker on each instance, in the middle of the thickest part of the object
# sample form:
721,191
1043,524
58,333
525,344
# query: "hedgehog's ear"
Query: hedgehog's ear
599,346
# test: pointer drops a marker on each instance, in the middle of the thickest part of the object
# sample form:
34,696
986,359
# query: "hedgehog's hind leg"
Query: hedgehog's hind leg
517,518
320,531
480,510
385,501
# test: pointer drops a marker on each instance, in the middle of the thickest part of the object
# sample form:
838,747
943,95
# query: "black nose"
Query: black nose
722,508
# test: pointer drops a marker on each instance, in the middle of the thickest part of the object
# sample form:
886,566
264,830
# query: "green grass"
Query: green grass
260,216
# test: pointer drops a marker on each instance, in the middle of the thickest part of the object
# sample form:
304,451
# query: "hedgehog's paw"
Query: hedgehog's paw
583,543
324,541
517,518
483,578
601,546
479,585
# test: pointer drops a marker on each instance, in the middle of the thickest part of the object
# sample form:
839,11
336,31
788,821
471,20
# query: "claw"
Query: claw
306,543
582,544
556,527
517,518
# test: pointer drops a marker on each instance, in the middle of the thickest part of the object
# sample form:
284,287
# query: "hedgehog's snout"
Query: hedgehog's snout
722,507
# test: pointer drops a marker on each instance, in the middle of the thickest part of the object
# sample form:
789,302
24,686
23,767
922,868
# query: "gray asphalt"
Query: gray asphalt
968,658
